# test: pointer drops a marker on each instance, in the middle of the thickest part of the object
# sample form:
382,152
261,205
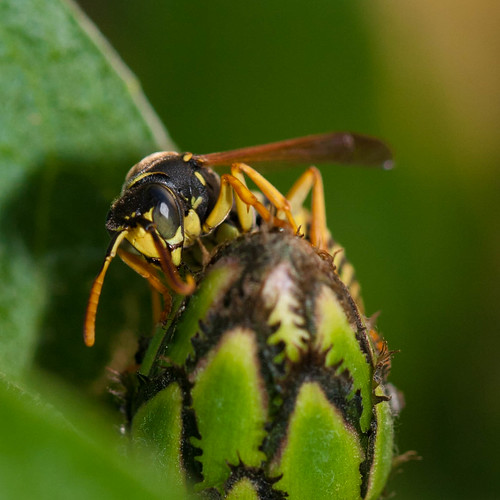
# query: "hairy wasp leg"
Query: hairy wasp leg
146,270
311,180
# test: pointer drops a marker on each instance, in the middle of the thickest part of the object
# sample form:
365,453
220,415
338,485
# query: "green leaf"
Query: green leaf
157,429
321,455
45,456
383,449
336,335
230,407
243,490
73,121
211,291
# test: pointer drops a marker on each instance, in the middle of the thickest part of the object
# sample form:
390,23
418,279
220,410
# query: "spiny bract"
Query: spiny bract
269,383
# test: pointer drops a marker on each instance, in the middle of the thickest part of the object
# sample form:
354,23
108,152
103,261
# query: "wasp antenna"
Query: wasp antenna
169,269
95,291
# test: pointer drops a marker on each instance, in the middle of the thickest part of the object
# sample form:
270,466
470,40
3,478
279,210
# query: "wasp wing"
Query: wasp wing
344,148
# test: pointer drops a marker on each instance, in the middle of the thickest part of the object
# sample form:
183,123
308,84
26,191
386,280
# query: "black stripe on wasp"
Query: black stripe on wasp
170,200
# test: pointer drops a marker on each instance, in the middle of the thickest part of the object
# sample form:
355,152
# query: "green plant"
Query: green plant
72,118
269,381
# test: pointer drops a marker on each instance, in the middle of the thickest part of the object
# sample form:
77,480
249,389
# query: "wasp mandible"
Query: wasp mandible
170,200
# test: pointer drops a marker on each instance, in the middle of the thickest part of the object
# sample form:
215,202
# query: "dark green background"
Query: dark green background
423,237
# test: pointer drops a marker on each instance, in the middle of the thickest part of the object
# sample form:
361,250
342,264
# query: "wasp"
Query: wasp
170,201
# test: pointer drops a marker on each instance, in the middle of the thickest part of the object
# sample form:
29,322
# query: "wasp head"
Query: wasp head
145,207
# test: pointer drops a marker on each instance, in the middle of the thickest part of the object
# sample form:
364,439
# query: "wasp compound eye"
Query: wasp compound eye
166,213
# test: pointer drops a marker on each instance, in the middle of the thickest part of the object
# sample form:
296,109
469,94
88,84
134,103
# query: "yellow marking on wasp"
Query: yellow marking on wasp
176,238
148,215
200,178
187,156
150,161
142,176
141,240
176,256
195,202
138,178
192,227
222,206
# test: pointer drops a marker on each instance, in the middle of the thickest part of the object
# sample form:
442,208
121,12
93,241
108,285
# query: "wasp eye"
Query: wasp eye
166,214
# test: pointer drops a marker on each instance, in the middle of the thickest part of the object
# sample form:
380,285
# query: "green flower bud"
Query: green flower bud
269,382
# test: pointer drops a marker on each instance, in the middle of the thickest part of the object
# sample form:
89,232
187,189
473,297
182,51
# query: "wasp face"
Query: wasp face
155,205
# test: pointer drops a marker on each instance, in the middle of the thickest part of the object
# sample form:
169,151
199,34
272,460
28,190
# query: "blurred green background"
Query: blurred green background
423,237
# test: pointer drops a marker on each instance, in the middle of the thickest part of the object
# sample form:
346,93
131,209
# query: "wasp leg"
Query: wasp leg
205,254
311,180
146,270
156,306
169,269
246,199
268,190
320,237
